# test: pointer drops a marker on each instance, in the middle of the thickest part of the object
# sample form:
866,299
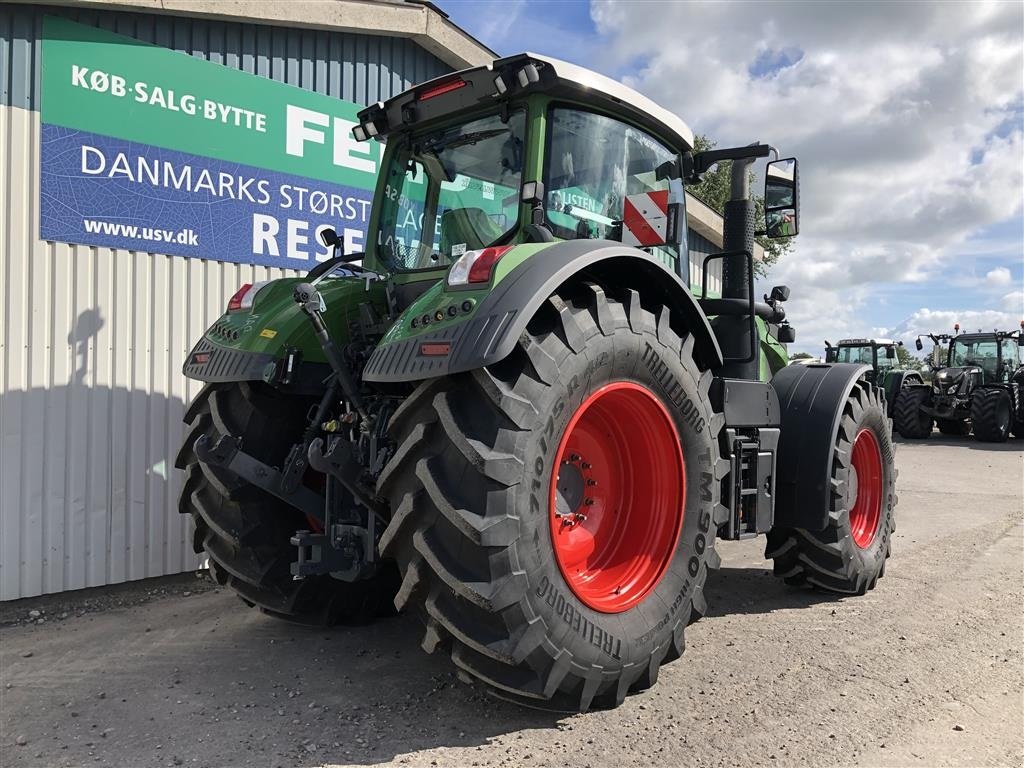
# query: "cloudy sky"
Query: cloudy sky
908,120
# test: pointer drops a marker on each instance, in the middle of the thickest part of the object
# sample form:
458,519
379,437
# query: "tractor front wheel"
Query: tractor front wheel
849,555
991,415
555,513
245,531
907,415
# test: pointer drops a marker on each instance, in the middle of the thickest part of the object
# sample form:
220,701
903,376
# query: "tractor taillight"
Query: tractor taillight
243,296
476,266
441,88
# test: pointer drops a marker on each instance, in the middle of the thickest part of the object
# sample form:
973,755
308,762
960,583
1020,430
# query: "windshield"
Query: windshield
856,355
884,361
982,353
451,190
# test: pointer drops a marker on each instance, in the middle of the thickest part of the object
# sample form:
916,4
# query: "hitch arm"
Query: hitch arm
228,455
337,460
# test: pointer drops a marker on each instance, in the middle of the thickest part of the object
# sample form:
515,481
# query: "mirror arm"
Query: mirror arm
696,164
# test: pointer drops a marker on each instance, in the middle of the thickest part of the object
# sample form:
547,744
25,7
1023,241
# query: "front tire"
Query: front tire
245,531
849,555
907,415
991,415
490,463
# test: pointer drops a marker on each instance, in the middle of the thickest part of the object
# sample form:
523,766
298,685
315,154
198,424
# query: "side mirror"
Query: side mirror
937,361
919,345
890,352
787,333
780,293
831,354
782,198
329,237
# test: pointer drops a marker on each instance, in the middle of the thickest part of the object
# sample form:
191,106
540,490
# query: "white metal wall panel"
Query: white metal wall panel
91,393
92,339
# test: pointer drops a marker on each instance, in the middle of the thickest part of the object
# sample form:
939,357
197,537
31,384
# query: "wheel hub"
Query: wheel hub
617,497
865,488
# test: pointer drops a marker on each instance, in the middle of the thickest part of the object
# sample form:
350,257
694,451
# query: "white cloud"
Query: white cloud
908,119
998,276
1013,302
925,321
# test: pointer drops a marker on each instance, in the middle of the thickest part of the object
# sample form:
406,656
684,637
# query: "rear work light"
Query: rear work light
243,296
476,266
436,90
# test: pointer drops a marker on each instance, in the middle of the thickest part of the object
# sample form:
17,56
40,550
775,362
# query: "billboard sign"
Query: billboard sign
148,149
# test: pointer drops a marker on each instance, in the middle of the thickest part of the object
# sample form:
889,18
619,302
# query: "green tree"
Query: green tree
800,356
714,191
907,360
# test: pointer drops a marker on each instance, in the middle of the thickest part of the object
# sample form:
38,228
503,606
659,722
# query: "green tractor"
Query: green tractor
881,355
978,385
511,416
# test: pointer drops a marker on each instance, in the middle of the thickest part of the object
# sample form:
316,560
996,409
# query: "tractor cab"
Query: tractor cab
995,355
527,150
880,354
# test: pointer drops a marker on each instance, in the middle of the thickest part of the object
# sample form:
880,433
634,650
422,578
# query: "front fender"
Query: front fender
811,398
502,314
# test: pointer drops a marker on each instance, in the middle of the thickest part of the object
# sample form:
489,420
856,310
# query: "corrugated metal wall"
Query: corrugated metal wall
700,247
92,339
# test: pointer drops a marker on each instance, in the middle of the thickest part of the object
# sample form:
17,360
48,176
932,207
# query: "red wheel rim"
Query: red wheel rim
617,495
867,491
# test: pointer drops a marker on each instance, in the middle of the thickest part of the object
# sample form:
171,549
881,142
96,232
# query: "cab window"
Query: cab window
594,162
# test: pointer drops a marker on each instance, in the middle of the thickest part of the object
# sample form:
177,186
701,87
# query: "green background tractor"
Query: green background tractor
881,355
978,385
512,417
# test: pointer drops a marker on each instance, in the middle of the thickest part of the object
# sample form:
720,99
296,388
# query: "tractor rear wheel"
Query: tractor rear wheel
245,531
907,417
555,513
849,555
954,427
991,415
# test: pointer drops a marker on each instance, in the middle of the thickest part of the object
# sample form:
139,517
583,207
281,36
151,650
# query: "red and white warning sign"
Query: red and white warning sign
645,218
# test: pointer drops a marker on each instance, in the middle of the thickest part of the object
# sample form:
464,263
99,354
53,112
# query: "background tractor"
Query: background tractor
978,384
512,417
881,355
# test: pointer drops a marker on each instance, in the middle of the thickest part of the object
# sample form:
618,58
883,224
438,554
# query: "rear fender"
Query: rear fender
241,345
501,317
811,398
894,381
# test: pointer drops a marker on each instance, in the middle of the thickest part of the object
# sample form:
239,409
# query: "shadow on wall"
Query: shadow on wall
88,493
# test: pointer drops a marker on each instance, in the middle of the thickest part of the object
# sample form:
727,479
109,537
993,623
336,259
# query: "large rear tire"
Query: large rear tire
849,555
991,415
908,418
245,531
512,570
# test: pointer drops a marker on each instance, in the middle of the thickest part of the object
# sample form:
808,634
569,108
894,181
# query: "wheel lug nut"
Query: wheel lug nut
591,482
588,502
584,465
574,457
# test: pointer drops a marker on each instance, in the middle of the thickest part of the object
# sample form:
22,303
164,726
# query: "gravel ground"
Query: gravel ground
926,670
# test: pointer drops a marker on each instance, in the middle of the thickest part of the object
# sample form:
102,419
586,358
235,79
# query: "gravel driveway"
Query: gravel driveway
926,670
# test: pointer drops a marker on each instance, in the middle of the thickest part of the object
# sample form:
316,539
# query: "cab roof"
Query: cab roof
514,77
865,342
